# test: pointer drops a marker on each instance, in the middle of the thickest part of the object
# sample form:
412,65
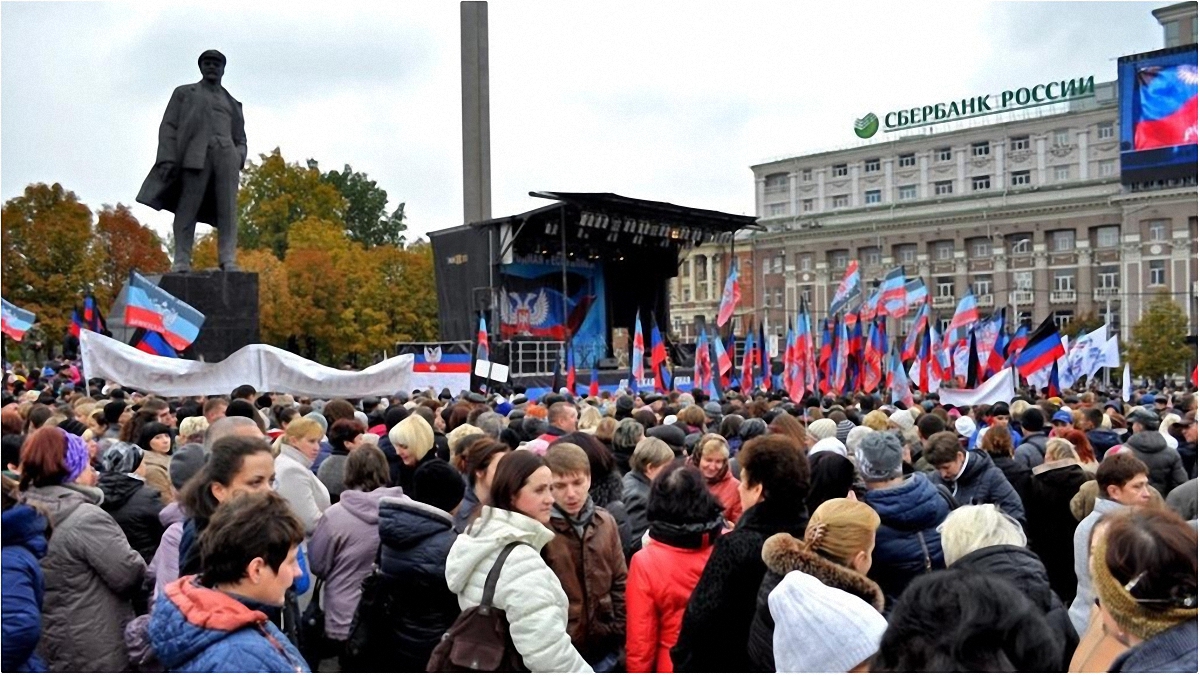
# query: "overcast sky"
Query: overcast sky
671,101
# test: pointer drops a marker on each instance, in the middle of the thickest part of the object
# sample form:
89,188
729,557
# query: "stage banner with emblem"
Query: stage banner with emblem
439,365
532,305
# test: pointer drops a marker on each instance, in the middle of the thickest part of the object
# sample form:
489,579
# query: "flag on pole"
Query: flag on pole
76,323
842,351
638,359
571,368
912,341
915,292
1126,385
872,306
594,380
897,380
658,358
1043,348
827,357
152,342
764,359
1000,388
1112,354
850,283
892,295
703,365
1017,344
16,321
482,351
731,296
724,363
965,316
748,359
874,352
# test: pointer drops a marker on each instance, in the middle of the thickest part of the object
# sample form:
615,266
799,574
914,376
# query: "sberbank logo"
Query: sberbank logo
867,126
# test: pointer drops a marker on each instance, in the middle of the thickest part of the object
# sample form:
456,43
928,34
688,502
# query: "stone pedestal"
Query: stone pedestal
229,302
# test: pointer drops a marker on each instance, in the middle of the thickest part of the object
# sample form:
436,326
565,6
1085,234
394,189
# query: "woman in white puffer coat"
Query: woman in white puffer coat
528,591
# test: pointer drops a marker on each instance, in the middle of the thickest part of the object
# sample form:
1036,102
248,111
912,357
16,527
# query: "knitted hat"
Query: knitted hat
149,432
902,419
823,428
843,430
186,461
76,459
854,439
438,484
319,419
1142,620
829,445
821,629
113,411
880,456
965,426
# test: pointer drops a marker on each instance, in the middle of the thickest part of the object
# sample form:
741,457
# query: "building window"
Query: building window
839,259
776,182
839,170
1062,173
1021,244
1171,33
981,149
981,183
1158,273
981,248
943,250
907,192
807,205
1104,130
1023,281
944,154
778,298
869,255
982,285
908,160
777,264
945,287
806,175
1108,168
1019,143
687,294
871,165
1062,241
872,197
767,266
1063,318
906,254
943,187
806,294
841,201
1157,229
1064,280
1062,137
944,324
1020,178
1108,236
779,209
1108,277
805,263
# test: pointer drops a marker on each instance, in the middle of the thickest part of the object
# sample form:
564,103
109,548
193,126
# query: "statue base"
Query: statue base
229,303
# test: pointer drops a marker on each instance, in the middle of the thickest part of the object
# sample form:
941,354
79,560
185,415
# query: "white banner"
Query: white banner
998,389
1112,354
264,367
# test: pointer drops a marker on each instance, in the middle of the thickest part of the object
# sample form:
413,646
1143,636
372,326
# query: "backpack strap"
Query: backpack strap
489,585
925,550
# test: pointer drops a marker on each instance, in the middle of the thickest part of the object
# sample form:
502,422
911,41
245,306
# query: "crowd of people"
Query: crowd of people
629,532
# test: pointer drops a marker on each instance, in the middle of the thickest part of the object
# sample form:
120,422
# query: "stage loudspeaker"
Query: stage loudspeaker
483,299
607,363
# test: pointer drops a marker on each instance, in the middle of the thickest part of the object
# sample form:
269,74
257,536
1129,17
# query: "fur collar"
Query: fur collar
1052,465
784,553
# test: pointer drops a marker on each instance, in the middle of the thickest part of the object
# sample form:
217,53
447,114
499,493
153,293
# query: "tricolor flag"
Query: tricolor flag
658,359
764,359
892,295
965,316
897,380
152,342
481,349
915,292
724,363
872,306
874,352
1165,107
730,297
638,358
571,368
702,376
593,380
849,285
912,341
1043,349
91,315
154,309
807,354
16,321
748,359
842,358
826,359
1017,343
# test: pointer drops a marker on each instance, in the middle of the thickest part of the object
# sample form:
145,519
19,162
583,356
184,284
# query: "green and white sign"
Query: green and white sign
977,106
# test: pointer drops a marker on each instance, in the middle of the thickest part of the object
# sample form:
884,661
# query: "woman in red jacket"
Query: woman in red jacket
712,457
685,520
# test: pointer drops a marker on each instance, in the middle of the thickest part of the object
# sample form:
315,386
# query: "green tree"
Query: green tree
1158,348
1084,323
367,220
276,194
49,260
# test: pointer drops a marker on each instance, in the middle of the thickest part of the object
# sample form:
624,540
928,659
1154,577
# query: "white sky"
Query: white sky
671,101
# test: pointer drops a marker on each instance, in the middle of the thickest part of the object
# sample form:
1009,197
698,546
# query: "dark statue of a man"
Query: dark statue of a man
201,151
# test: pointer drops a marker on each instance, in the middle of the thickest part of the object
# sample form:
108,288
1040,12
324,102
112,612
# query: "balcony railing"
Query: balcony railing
985,300
944,301
1022,298
1101,294
1062,297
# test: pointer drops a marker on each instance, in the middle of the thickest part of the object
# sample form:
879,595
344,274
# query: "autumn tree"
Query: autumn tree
275,195
366,216
125,245
1158,348
49,260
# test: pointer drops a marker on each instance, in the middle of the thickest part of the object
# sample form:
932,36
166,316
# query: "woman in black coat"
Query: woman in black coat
1051,525
716,624
133,504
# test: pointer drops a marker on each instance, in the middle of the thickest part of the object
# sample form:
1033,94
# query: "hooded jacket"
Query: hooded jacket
23,533
164,568
907,543
90,572
1032,451
784,553
342,552
587,557
1052,529
1021,567
202,630
1102,440
982,483
135,506
528,591
416,539
716,625
661,580
1165,464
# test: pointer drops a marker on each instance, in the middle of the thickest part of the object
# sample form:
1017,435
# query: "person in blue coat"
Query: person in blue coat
23,531
217,621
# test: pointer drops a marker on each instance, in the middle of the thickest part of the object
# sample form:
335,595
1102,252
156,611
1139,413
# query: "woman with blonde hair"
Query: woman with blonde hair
818,586
294,479
712,458
413,439
589,419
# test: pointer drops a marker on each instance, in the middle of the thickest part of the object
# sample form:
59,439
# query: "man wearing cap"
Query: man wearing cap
1061,421
201,150
1149,445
